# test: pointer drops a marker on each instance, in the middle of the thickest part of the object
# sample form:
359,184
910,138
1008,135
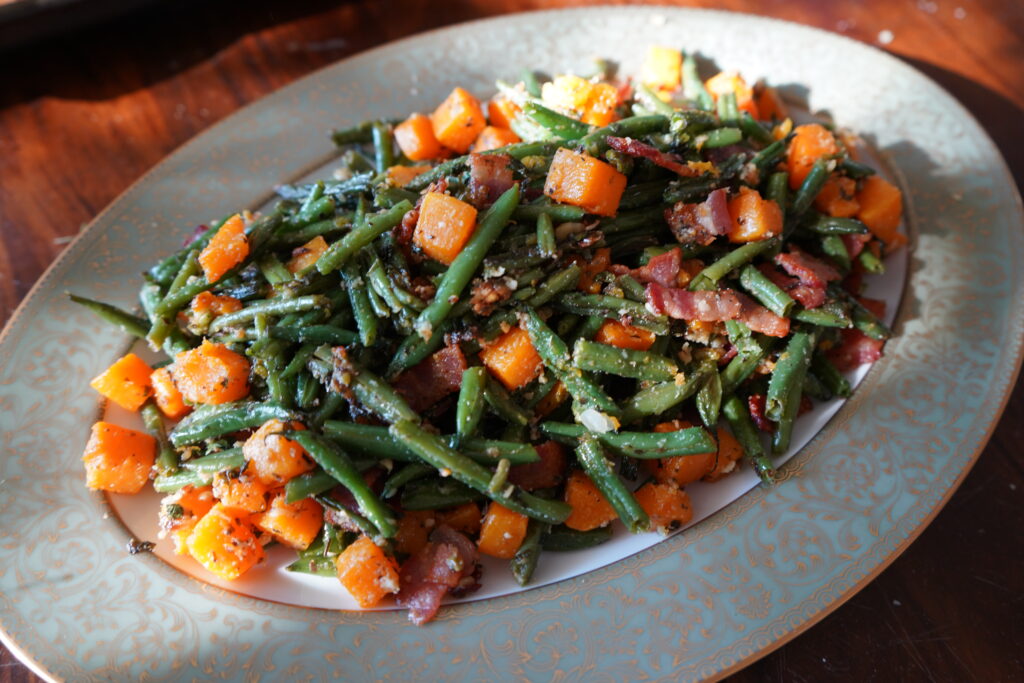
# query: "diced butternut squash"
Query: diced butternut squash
211,373
566,92
590,509
305,257
667,505
556,397
209,304
598,263
241,489
444,226
118,459
512,359
415,137
881,209
273,458
753,217
492,137
838,197
181,511
501,112
600,107
400,176
503,532
581,180
166,395
662,68
616,334
366,572
810,142
224,542
227,249
457,121
464,518
729,453
770,105
126,382
730,81
294,524
414,527
680,469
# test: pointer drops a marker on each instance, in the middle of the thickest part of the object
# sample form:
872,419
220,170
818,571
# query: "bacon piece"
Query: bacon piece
806,268
706,306
635,148
547,472
855,348
447,563
756,407
663,269
489,177
855,243
760,319
700,223
433,378
808,296
485,295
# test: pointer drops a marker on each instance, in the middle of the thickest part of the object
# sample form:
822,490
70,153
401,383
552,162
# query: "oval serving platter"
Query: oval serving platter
75,606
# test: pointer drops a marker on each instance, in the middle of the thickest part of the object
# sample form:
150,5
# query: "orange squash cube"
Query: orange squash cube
600,107
503,532
242,490
273,458
753,217
227,249
667,505
838,197
294,524
881,209
464,518
512,359
305,257
556,397
414,527
581,180
444,226
415,137
458,120
590,509
118,459
211,373
770,105
729,453
126,382
194,502
207,303
810,142
662,68
400,176
501,112
680,469
223,542
616,334
166,395
366,572
494,138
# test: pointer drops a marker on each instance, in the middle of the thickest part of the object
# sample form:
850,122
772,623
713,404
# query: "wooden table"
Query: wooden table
84,115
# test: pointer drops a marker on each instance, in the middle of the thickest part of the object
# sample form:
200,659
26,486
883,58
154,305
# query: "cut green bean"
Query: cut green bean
524,562
546,236
810,188
591,457
166,458
643,365
208,422
132,324
640,445
720,137
771,296
827,373
308,485
470,407
221,461
375,442
561,538
742,427
659,398
363,234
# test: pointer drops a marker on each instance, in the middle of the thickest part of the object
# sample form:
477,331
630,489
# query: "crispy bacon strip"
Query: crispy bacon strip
760,319
547,472
809,296
663,269
806,268
438,375
489,177
702,222
708,306
635,148
448,563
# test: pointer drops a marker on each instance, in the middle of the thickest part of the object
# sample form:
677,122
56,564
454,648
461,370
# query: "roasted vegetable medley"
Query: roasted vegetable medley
500,327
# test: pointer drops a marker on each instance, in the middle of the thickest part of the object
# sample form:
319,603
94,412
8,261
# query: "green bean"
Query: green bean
778,191
709,396
331,403
315,334
719,137
150,298
559,125
437,494
591,457
361,235
400,477
530,82
689,189
212,421
640,445
455,279
380,397
833,247
228,459
562,213
613,307
651,101
632,220
742,427
773,297
388,197
132,324
524,562
337,464
693,86
640,195
546,236
728,113
553,351
784,427
435,452
375,442
830,225
470,408
788,374
163,324
355,185
754,130
736,258
749,354
854,169
307,389
167,457
359,133
815,388
871,263
826,372
563,539
501,402
659,398
829,314
558,282
643,365
810,188
169,483
596,143
351,517
383,148
308,485
269,307
273,270
769,156
319,558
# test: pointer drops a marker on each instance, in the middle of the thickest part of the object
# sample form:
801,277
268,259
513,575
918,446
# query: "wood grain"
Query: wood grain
98,108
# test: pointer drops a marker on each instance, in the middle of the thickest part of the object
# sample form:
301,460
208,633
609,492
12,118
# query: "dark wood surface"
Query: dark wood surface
84,114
